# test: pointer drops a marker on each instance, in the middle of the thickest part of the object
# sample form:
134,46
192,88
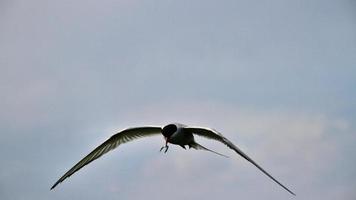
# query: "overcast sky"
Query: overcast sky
278,78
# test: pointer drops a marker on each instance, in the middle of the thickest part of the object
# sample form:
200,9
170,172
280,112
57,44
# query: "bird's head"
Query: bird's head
168,130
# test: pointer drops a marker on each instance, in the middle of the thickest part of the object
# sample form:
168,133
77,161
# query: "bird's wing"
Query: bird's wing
110,144
213,134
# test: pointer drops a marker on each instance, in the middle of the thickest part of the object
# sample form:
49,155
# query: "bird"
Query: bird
174,133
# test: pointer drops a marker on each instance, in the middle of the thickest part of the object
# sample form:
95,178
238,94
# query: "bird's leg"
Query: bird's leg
165,151
161,148
165,146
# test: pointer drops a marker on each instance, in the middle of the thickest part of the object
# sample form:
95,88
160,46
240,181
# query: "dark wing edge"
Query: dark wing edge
110,144
215,135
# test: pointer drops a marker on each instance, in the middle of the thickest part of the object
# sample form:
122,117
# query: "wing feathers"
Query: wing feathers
110,144
213,134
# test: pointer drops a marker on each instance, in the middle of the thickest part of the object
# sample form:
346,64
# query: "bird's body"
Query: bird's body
177,134
181,136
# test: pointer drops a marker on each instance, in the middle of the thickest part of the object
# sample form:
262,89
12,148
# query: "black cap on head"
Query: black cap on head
168,130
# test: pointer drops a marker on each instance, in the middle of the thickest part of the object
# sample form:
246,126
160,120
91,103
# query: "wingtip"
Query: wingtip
292,193
54,185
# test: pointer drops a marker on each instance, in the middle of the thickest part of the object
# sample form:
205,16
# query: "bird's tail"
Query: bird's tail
197,146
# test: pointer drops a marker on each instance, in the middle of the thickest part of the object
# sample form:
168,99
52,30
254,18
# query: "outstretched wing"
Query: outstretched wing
110,144
213,134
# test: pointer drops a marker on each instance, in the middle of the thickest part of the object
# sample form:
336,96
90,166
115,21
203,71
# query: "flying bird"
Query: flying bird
178,134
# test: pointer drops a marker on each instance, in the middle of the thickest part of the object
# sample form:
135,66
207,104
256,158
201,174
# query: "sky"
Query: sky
277,78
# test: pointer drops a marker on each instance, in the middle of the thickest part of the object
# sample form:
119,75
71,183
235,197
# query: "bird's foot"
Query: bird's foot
164,147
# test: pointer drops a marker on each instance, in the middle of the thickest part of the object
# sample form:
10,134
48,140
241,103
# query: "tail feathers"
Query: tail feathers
200,147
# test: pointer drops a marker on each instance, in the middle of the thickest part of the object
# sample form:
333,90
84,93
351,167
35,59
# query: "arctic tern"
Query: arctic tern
178,134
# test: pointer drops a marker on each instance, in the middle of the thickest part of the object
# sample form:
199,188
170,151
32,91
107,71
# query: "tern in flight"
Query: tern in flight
177,134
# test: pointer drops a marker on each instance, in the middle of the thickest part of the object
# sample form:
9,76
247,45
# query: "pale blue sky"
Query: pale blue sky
276,77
